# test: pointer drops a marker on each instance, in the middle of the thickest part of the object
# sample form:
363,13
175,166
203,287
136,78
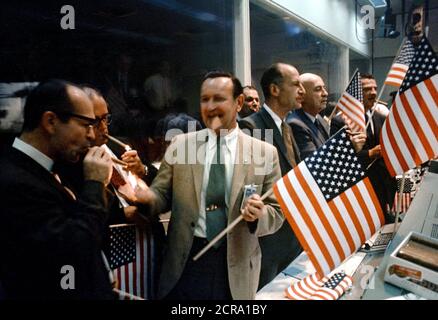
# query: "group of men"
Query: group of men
203,179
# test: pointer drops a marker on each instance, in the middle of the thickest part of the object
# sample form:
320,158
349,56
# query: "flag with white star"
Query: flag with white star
313,287
409,136
351,104
401,64
330,203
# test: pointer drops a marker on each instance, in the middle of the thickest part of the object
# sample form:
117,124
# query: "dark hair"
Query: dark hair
50,95
237,86
272,75
367,76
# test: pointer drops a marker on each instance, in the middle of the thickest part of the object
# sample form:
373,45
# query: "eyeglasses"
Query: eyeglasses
105,119
90,121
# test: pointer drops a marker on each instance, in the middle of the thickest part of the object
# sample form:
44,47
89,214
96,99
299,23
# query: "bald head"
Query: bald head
315,98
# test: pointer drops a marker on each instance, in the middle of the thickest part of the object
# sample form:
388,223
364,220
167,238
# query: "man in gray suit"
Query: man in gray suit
229,270
309,128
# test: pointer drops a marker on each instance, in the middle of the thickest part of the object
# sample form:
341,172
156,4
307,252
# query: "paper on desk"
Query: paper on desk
301,266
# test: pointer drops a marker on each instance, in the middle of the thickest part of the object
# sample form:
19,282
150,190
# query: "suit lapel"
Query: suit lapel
278,138
317,135
241,165
38,171
198,167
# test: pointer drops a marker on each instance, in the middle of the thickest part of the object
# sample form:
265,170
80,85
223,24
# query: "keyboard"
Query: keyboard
383,239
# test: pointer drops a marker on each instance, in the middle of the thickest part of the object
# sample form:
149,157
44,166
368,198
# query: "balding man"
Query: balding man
309,128
51,238
283,92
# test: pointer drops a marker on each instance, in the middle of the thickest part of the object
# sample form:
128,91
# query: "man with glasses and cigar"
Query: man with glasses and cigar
50,236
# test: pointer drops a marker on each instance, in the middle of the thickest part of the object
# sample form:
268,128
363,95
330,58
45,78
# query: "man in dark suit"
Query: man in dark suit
309,128
50,238
370,155
283,92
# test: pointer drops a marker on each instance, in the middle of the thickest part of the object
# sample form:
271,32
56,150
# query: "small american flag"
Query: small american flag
131,257
401,64
406,199
409,136
351,104
314,288
330,205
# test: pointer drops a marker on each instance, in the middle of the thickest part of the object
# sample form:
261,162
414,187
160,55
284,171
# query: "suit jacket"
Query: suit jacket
384,185
178,187
306,134
43,229
263,120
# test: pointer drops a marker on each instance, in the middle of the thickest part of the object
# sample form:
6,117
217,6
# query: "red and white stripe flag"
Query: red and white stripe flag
351,104
330,206
409,136
401,64
312,287
132,260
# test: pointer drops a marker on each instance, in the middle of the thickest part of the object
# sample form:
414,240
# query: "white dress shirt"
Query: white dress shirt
229,156
34,153
275,117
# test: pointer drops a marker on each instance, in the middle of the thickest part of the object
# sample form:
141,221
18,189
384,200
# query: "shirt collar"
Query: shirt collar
274,116
230,139
34,153
312,118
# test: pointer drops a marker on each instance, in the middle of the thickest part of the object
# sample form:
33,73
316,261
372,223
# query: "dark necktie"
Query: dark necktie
116,179
321,129
216,217
288,138
71,193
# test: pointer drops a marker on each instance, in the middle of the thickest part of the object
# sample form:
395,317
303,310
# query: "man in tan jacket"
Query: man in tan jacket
230,269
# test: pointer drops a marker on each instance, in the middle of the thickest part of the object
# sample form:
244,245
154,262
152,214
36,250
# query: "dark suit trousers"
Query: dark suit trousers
206,278
278,251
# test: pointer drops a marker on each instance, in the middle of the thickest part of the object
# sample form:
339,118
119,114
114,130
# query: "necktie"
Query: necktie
216,217
321,129
116,179
288,138
66,188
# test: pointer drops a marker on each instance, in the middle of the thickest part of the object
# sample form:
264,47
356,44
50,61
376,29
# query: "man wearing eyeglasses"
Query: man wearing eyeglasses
50,237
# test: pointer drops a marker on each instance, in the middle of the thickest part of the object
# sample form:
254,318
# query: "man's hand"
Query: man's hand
375,152
132,215
134,163
98,165
254,208
358,139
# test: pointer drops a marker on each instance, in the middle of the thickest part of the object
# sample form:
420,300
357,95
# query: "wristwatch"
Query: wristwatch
146,170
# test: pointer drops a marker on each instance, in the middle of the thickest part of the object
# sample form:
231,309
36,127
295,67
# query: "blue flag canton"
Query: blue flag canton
406,53
423,66
335,166
335,280
355,88
122,245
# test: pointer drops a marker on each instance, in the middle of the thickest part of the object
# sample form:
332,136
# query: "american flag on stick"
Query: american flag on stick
313,287
409,136
351,104
329,203
401,64
131,258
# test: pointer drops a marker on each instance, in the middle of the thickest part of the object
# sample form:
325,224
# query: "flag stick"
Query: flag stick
227,229
336,106
399,200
